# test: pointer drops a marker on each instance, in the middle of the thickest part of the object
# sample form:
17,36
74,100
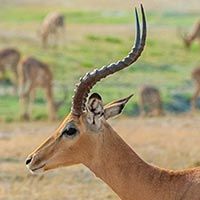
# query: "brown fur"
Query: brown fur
112,160
9,58
52,24
196,79
188,39
150,101
32,75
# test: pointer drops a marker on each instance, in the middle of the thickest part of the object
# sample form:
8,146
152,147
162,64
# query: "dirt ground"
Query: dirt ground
169,142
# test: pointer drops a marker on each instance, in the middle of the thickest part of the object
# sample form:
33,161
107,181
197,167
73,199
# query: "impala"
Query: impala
85,137
150,101
188,39
9,58
196,79
32,75
53,24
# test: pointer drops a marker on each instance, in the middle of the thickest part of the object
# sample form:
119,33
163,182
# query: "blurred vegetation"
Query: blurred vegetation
106,37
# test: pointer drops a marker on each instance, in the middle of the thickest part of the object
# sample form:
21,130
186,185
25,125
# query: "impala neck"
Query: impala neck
122,169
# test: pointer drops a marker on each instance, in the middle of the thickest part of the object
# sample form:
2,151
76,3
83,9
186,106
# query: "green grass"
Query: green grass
164,63
17,15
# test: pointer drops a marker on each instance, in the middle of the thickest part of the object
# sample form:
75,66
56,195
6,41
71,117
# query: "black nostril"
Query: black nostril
28,160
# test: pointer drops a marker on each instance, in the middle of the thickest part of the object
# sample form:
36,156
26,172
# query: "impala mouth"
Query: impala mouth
37,169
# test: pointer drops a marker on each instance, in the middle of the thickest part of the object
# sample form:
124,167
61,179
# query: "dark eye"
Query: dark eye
69,131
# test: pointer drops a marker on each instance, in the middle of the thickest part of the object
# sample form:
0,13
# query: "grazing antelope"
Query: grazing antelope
150,101
34,74
188,39
9,58
85,137
196,78
53,24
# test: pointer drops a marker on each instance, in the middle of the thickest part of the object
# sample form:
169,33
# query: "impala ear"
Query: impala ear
95,109
115,108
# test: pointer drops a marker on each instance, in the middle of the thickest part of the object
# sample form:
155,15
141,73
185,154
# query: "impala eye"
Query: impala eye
70,130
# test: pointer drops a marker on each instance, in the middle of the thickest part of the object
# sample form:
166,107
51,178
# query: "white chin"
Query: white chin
36,171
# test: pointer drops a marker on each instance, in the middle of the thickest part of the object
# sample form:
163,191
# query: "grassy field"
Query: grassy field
98,37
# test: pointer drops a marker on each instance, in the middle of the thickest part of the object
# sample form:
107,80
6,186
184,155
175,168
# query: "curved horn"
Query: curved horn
90,79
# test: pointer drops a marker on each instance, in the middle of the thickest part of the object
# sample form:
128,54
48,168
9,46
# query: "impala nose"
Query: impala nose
28,160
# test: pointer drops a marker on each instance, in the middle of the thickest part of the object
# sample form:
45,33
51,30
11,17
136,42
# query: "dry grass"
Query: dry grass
170,142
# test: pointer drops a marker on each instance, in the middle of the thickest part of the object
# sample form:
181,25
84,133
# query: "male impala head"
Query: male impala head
84,131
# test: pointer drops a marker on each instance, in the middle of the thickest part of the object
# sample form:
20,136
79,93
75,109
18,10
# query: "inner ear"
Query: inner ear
95,104
95,109
95,96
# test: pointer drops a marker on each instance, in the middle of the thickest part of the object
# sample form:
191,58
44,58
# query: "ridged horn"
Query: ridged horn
90,79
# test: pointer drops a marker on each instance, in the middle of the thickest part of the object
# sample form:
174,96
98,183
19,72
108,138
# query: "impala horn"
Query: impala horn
90,79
